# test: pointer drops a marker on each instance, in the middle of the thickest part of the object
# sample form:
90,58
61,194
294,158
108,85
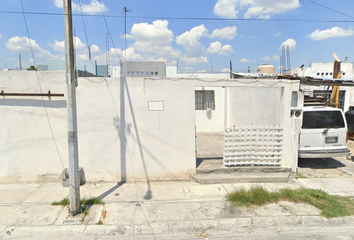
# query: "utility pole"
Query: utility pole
125,10
211,63
74,181
19,59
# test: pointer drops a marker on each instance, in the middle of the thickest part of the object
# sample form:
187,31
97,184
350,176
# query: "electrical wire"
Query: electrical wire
109,32
40,87
83,22
194,18
246,82
87,42
331,9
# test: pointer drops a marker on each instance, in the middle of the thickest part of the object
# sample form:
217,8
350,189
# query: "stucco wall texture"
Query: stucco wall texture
128,128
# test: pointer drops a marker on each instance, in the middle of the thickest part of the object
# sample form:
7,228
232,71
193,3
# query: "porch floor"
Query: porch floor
210,168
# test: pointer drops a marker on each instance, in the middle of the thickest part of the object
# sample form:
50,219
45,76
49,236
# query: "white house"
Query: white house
131,128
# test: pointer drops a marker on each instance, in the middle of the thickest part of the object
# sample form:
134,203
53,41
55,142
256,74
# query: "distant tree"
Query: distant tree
32,68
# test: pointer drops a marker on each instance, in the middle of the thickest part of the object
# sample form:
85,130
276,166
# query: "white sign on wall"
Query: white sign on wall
156,106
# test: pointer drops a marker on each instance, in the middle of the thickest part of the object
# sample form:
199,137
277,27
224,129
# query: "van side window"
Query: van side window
322,119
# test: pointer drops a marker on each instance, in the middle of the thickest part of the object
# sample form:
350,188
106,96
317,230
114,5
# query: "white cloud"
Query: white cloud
0,35
202,71
289,42
225,33
60,45
217,48
82,56
190,41
194,60
93,7
244,60
276,57
95,49
188,68
172,63
225,70
117,54
22,45
330,33
262,9
265,59
226,8
154,39
277,34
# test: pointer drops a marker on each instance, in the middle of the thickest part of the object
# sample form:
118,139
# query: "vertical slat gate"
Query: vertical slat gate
248,146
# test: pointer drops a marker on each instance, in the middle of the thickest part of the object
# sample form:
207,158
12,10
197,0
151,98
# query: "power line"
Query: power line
331,9
40,86
109,32
83,22
193,18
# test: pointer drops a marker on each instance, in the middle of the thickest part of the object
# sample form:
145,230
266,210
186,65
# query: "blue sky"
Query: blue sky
190,32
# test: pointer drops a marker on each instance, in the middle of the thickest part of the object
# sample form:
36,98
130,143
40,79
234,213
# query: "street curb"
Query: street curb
231,225
58,231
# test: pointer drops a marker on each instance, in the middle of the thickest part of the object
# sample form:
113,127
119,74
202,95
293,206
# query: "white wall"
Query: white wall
314,68
26,144
261,106
119,138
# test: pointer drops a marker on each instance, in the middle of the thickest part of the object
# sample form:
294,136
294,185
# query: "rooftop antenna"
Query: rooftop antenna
125,10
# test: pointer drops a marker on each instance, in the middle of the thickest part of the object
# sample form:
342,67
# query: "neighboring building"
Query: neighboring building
140,69
102,70
42,67
325,71
253,75
158,69
89,66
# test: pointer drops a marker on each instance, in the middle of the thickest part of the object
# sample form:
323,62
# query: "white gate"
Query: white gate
247,146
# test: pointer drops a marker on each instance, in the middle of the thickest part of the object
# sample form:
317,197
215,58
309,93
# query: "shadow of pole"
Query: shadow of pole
122,135
148,194
109,191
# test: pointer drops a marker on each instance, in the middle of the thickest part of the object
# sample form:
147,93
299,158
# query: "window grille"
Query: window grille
204,99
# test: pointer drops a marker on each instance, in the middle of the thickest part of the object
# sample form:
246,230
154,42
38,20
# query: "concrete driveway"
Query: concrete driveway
333,175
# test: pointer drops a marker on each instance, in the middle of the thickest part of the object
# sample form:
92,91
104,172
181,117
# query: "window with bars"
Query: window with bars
204,99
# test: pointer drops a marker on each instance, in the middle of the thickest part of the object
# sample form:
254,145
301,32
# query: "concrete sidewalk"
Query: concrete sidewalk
154,210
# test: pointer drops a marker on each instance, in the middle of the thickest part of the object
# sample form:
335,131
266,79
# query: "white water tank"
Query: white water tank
270,69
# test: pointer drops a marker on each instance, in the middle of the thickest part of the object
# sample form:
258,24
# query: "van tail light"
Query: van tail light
346,139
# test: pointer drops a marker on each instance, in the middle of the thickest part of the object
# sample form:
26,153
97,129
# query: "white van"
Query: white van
323,133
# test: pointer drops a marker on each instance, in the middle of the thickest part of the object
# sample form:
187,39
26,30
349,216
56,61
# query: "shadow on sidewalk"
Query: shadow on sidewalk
109,191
